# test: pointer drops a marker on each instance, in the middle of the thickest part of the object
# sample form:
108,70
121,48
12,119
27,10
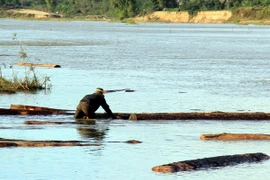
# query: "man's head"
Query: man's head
99,91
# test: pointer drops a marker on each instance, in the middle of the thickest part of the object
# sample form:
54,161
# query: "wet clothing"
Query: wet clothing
89,104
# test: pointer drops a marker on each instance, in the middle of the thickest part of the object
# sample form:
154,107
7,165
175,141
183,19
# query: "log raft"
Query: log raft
212,162
232,136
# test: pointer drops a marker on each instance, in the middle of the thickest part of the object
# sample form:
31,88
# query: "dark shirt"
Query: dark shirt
96,100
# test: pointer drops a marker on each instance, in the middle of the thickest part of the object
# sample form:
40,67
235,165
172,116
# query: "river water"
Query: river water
171,67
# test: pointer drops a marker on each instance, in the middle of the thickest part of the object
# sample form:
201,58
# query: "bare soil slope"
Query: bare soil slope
34,13
184,17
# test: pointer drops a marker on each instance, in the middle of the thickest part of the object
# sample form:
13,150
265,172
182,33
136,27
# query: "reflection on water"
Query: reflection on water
92,132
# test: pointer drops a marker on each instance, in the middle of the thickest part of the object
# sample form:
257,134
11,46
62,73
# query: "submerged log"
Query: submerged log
42,143
40,65
219,161
230,136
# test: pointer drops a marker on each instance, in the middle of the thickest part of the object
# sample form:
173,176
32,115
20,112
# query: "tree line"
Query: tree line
129,8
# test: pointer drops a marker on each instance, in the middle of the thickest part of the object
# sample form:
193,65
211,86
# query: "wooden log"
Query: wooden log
36,110
19,109
47,122
219,161
41,143
44,143
117,90
231,136
40,65
4,111
205,116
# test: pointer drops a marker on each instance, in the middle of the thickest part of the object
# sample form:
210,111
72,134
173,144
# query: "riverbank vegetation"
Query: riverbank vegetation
122,9
29,81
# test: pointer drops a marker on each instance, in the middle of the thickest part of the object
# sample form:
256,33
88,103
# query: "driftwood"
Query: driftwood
230,136
40,65
219,161
32,143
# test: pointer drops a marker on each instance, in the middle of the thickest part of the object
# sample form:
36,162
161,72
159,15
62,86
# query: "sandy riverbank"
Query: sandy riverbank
184,17
214,17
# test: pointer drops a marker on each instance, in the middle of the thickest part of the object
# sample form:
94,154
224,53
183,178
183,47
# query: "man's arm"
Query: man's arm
106,107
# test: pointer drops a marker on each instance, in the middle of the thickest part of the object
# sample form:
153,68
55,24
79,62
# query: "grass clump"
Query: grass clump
29,81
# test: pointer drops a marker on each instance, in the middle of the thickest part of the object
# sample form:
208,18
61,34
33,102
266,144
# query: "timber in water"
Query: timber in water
41,143
53,143
232,136
212,162
40,65
18,109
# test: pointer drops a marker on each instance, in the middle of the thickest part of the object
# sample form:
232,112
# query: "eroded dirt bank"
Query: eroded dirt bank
184,17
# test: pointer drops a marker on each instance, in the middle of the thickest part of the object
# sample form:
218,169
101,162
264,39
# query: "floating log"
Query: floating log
133,141
47,122
201,116
117,90
42,143
18,109
219,161
4,111
230,136
40,65
36,110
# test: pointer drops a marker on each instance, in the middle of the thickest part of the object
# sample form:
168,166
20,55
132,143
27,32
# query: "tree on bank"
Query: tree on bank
129,8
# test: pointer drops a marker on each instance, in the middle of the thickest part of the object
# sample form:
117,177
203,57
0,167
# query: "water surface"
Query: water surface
171,67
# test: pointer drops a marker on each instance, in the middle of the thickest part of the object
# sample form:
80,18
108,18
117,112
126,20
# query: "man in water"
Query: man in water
90,103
